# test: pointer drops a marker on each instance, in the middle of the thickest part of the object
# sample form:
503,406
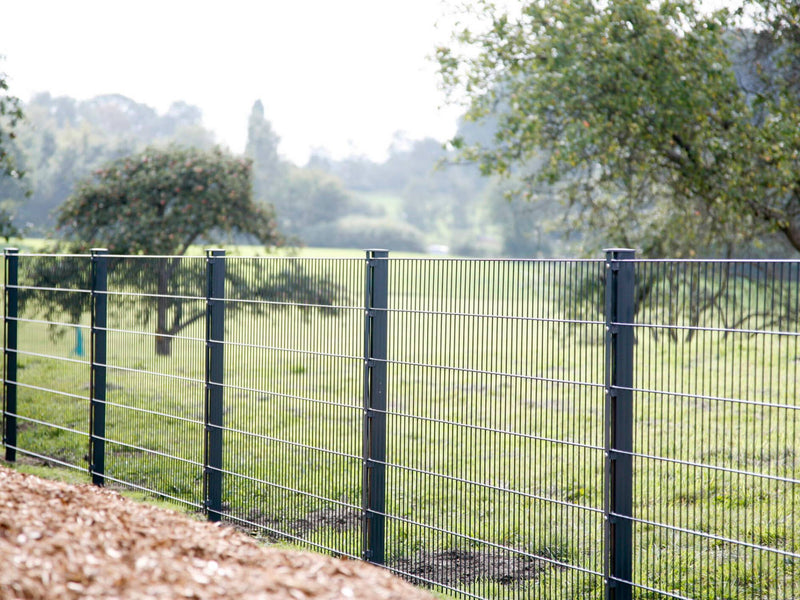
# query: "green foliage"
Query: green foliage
309,198
10,117
635,107
159,202
163,200
367,232
269,171
64,140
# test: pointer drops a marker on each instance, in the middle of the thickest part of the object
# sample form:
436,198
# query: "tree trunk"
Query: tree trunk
163,345
163,342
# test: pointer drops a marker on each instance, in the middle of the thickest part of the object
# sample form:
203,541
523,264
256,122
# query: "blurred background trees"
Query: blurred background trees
657,125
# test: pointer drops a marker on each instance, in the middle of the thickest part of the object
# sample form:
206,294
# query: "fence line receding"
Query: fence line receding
616,428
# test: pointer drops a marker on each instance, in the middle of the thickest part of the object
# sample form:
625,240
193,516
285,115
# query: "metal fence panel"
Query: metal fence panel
293,388
495,421
52,392
155,374
716,430
474,425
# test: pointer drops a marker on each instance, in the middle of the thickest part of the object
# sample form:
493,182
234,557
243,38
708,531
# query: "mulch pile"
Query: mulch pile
79,541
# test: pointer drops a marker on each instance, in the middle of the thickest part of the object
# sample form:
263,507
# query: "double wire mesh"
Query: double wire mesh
155,375
495,443
717,431
52,359
293,399
495,452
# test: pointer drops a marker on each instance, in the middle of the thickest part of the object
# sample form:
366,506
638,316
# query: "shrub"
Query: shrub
366,232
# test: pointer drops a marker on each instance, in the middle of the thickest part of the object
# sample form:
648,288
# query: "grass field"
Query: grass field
495,450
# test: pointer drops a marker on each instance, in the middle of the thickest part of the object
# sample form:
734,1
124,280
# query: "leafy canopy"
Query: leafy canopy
163,200
10,117
634,108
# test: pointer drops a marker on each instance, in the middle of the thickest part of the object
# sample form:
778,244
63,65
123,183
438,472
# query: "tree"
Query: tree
160,202
636,109
63,140
308,199
269,171
10,117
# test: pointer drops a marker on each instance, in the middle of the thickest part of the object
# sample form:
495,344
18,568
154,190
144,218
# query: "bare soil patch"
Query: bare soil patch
453,567
80,541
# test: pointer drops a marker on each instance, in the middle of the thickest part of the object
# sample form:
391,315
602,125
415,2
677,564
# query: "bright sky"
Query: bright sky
343,75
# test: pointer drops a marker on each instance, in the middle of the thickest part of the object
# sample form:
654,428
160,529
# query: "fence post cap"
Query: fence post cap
11,250
620,253
376,251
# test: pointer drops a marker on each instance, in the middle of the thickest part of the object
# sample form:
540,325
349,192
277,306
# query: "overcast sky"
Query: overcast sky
343,75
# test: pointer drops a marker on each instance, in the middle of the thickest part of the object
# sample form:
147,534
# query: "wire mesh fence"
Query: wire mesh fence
611,428
716,413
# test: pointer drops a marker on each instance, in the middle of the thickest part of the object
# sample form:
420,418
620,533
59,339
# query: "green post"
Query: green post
215,348
374,427
10,353
97,385
620,282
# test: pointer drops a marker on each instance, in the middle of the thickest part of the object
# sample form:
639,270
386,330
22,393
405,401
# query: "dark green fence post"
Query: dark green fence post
10,353
97,382
620,283
215,340
374,438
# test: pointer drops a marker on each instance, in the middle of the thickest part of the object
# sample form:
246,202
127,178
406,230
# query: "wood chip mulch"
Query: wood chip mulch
80,541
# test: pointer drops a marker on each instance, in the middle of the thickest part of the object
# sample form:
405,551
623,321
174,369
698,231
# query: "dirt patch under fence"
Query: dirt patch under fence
453,567
79,541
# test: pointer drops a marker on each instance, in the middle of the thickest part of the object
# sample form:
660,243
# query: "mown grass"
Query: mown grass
499,452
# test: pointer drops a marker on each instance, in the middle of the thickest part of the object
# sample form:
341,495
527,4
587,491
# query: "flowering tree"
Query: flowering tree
160,202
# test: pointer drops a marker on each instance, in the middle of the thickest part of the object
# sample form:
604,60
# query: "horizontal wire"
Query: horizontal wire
487,372
46,458
46,424
431,582
48,289
151,295
153,334
712,261
650,589
479,541
278,486
48,356
688,463
284,534
147,411
43,322
155,373
282,441
708,536
742,401
460,259
47,255
487,316
472,426
289,304
147,489
287,350
766,332
358,407
489,486
188,461
48,390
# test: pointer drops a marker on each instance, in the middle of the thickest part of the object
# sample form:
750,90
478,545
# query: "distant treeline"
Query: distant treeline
418,198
